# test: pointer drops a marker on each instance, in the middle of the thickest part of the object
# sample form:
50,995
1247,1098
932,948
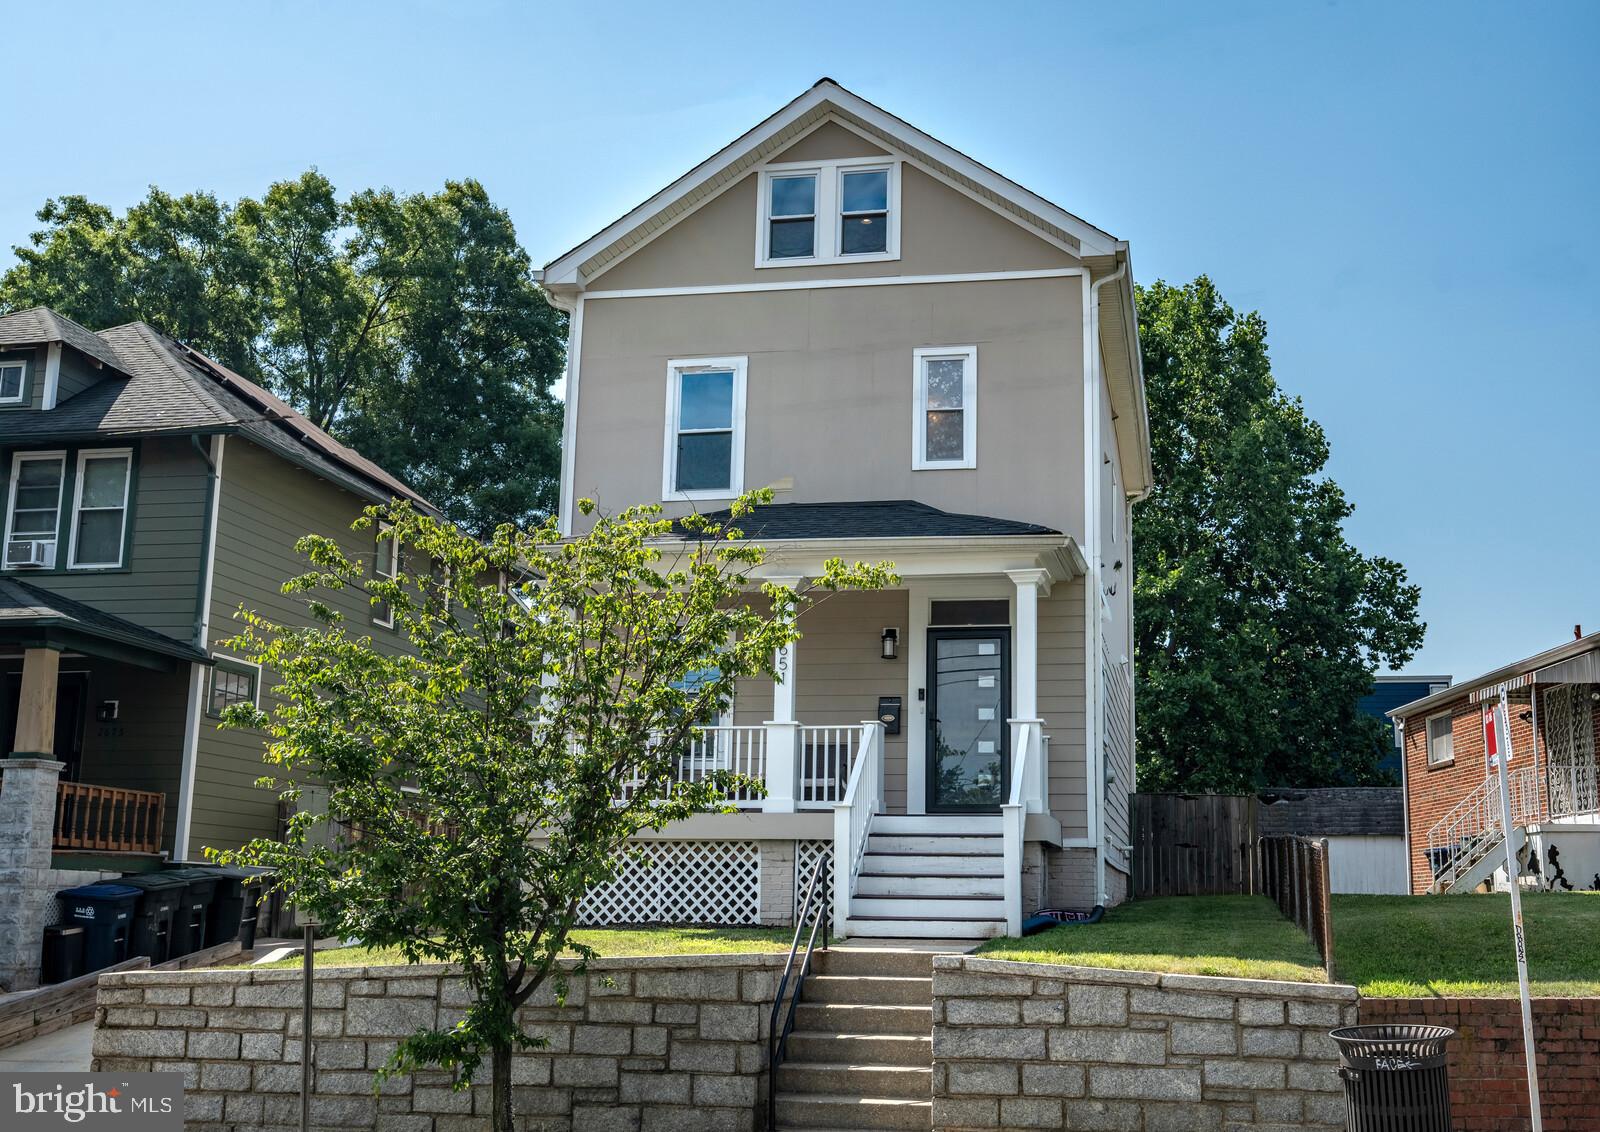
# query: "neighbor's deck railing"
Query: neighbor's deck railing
1573,790
108,818
1462,838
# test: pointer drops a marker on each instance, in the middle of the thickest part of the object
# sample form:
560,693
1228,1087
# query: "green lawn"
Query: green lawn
1239,936
1388,946
609,942
1414,946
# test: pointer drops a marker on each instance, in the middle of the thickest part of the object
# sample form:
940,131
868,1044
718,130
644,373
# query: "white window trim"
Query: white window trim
84,456
11,496
669,449
1427,739
238,662
391,546
969,407
827,231
22,382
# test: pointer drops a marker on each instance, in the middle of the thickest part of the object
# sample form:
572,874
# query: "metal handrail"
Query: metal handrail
778,1037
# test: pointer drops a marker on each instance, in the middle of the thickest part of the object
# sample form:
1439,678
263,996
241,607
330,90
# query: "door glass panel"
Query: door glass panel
967,723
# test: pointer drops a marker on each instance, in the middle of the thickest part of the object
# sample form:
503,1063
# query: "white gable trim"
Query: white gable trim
565,269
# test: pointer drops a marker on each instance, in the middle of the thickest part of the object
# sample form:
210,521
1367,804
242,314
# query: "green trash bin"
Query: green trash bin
160,897
189,928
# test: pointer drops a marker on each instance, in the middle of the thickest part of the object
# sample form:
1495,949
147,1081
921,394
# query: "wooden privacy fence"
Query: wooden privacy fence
108,818
1194,844
1294,873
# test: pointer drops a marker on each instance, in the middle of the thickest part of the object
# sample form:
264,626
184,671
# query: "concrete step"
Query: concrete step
913,1081
870,990
930,884
868,961
851,1018
929,907
934,864
942,843
899,926
861,1049
840,1110
981,824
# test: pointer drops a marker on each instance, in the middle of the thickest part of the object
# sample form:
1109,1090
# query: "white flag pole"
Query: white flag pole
1501,753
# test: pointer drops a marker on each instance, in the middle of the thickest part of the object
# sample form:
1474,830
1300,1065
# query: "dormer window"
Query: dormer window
13,384
829,212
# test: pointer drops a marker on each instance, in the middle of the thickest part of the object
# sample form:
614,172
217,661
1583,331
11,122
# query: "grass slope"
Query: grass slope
1238,936
1460,946
609,942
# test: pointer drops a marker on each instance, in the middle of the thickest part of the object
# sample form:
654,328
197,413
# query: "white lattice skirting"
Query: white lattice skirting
681,882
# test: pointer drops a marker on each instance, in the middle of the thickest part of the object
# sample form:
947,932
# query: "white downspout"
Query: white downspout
1095,715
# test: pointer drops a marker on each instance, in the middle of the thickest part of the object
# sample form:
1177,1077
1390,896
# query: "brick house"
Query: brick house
1452,801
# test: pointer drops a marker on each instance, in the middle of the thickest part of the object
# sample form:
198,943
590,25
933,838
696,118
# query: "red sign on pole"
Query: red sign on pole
1491,743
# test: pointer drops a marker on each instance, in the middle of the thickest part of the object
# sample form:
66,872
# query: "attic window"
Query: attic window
829,212
13,389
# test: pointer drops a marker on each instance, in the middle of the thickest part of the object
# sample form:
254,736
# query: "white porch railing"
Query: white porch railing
852,817
737,750
1029,789
1462,838
1574,790
827,756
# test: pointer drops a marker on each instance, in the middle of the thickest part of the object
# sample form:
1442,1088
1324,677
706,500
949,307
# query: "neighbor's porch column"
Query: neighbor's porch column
36,706
783,730
1031,585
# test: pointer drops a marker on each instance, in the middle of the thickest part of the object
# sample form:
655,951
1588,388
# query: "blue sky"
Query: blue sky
1407,192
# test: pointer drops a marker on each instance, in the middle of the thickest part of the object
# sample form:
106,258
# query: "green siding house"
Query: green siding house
149,493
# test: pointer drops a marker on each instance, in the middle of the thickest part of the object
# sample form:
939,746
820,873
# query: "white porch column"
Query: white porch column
1031,584
783,730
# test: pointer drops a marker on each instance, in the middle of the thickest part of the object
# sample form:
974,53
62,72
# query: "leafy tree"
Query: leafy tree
474,779
409,326
1258,625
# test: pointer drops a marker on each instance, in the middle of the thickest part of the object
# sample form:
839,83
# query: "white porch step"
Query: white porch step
885,928
934,864
944,844
933,908
926,881
983,825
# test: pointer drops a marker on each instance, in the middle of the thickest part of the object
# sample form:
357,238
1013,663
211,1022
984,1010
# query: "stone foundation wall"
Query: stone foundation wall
671,1044
1027,1045
1488,1082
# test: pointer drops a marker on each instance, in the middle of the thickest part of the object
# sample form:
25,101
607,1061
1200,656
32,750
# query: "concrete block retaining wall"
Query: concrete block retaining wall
1488,1082
1025,1045
674,1043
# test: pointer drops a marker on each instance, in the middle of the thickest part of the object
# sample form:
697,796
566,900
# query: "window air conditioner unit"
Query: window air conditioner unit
30,554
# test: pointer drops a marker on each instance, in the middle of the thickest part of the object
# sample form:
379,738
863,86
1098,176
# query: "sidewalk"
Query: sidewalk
65,1051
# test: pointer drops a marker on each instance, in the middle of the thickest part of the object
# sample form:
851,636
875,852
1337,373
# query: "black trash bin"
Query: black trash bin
233,905
63,954
105,913
161,895
1395,1078
189,928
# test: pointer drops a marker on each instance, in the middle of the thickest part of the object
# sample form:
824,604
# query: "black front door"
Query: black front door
969,691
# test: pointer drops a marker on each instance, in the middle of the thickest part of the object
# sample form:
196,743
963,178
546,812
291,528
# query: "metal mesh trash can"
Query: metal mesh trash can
1395,1078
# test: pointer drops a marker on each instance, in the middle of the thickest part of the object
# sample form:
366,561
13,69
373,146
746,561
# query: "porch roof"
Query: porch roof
34,617
872,518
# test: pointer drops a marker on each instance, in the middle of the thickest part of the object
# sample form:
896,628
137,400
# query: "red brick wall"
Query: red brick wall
1488,1082
1433,791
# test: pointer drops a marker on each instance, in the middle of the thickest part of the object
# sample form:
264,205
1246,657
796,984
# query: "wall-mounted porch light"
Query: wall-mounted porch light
891,643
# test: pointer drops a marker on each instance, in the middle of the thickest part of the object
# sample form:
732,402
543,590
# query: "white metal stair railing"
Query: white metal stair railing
1574,790
1471,830
852,818
737,750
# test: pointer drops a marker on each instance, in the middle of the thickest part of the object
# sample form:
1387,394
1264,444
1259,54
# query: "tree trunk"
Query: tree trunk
500,1088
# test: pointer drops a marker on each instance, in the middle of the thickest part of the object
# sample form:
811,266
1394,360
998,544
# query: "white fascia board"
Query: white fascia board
934,556
1136,360
563,271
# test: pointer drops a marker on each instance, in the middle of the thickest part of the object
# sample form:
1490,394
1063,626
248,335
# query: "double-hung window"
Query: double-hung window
945,421
829,212
33,510
100,508
1441,740
13,382
386,565
704,453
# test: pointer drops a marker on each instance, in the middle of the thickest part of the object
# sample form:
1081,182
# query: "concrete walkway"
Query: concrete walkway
65,1051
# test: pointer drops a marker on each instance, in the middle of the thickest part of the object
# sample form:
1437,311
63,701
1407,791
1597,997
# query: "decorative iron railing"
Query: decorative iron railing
1574,790
813,915
1471,830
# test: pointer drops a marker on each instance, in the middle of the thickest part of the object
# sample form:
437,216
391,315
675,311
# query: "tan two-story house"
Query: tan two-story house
930,365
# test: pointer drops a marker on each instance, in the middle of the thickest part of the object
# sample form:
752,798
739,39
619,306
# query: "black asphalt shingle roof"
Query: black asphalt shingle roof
24,606
1334,811
872,518
41,324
